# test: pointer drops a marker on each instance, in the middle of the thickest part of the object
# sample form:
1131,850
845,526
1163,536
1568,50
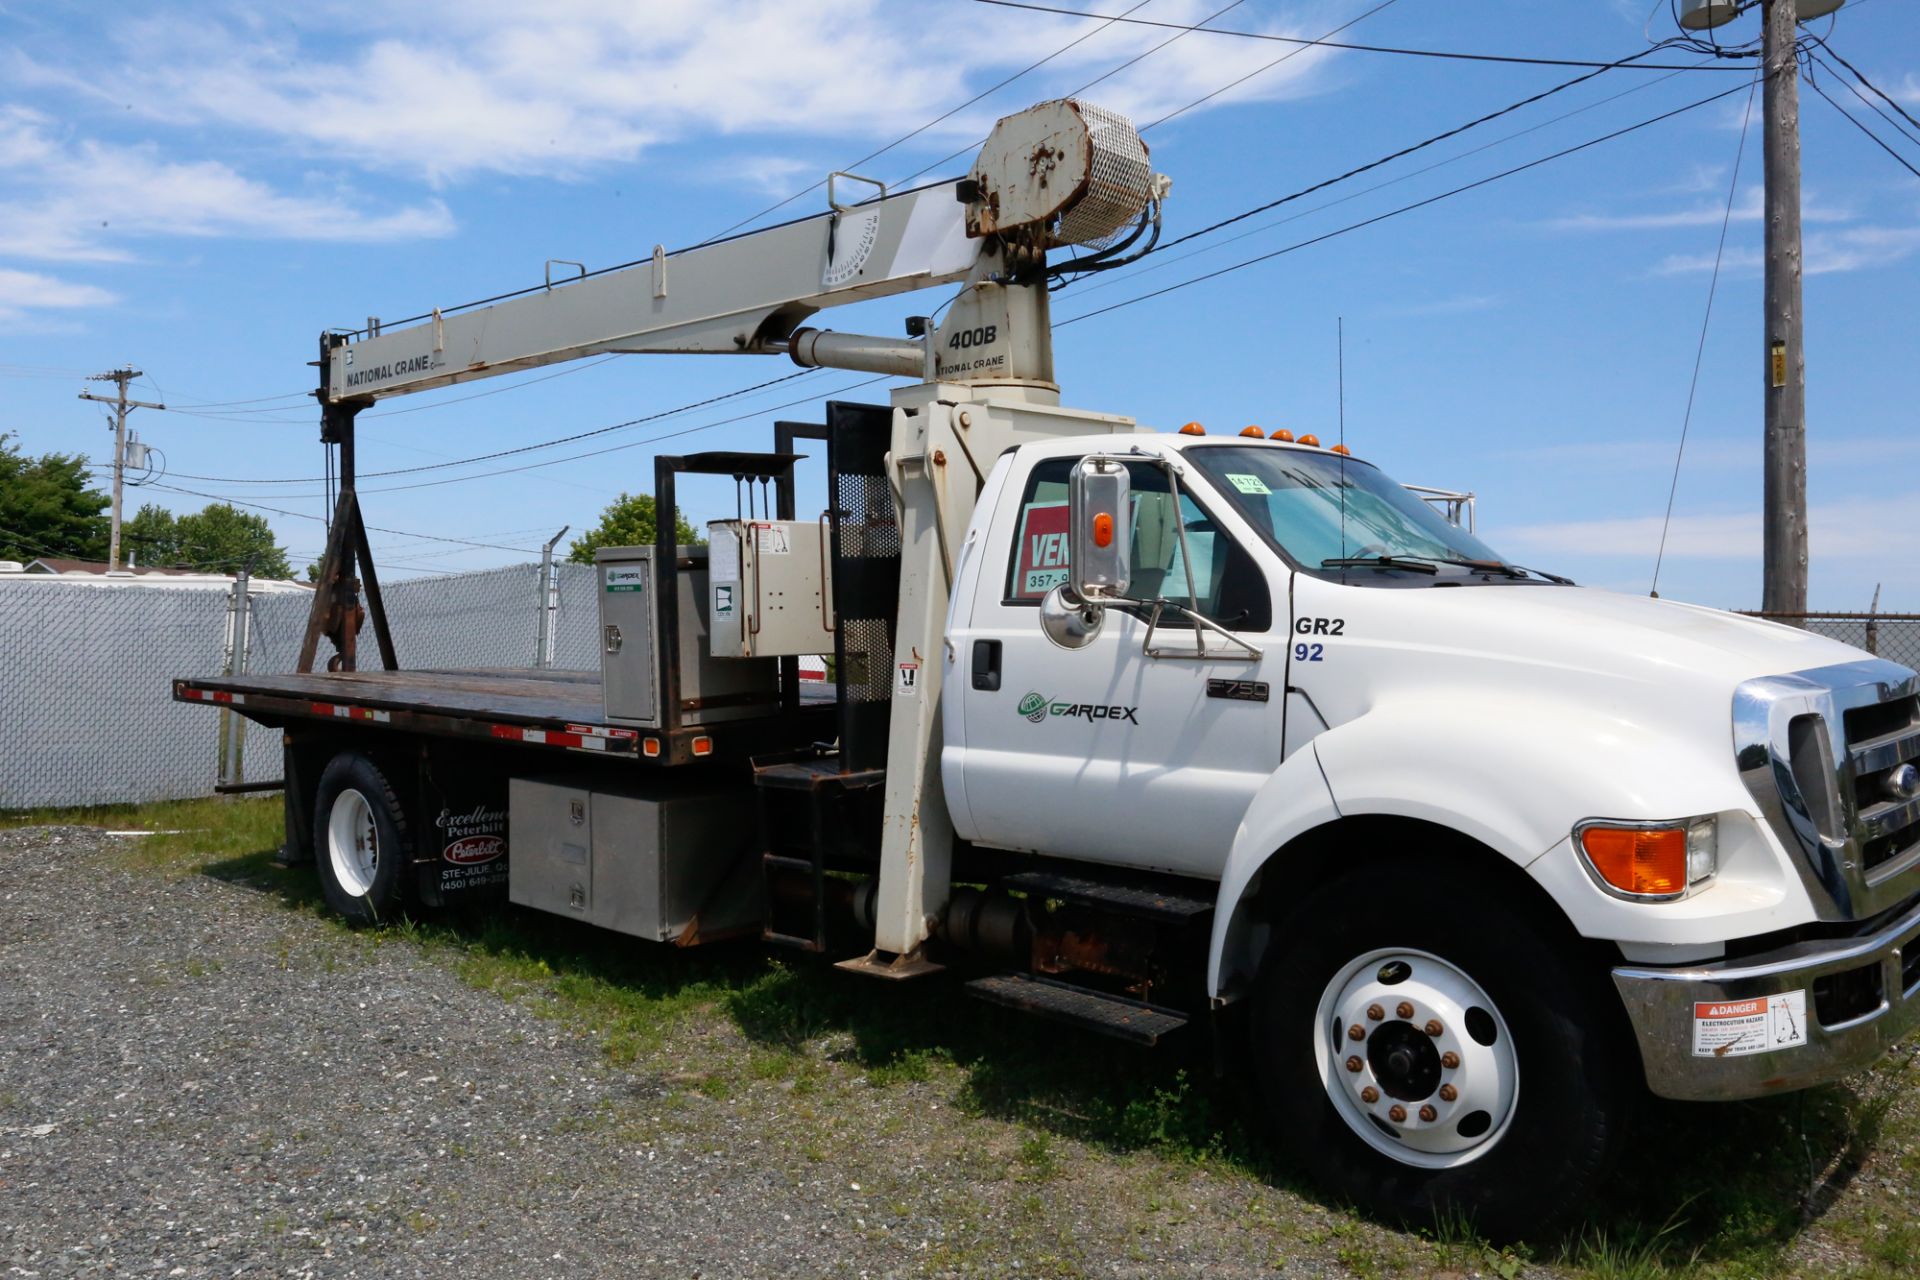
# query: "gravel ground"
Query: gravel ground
195,1081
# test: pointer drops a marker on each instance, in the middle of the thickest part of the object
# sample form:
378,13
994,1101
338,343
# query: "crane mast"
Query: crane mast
1060,174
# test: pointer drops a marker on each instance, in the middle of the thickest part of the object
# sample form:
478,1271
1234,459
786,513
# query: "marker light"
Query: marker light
1281,434
1103,530
1650,861
703,745
1311,441
1341,449
1253,433
1193,429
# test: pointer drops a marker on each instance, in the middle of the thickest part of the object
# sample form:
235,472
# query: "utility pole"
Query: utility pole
1784,538
121,376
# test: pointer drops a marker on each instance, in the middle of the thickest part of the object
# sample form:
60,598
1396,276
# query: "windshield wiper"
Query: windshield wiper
1550,577
1418,565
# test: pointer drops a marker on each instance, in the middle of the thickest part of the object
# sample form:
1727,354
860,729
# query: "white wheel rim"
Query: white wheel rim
1432,1079
353,843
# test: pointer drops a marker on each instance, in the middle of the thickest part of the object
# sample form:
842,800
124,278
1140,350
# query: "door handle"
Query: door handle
986,665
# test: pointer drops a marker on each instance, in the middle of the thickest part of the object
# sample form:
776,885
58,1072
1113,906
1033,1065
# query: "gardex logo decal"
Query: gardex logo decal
1037,708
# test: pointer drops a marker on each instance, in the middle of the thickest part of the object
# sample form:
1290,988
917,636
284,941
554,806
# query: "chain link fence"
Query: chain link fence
1893,636
86,709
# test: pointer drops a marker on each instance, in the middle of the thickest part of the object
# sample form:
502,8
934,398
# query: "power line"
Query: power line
1861,77
1454,132
302,515
1138,57
1449,54
1700,350
1262,70
1857,123
905,137
525,448
1870,105
1080,290
1393,213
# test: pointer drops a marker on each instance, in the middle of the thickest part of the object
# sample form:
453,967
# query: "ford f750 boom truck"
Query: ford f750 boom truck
1133,729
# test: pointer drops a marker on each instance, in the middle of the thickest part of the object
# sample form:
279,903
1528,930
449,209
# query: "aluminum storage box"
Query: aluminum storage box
632,620
644,860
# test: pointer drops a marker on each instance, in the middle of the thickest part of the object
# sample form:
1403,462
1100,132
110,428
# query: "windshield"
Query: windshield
1334,514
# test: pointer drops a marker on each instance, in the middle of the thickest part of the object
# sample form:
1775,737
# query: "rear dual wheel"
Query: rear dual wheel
360,841
1432,1058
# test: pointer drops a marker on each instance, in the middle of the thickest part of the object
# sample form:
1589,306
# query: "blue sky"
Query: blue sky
200,189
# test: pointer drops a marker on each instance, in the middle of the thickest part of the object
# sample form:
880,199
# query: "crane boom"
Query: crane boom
743,295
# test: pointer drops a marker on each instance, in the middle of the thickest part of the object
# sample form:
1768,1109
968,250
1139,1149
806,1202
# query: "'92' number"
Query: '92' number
1308,652
980,337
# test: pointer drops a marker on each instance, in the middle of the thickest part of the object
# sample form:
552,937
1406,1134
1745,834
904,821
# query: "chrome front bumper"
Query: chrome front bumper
1664,1005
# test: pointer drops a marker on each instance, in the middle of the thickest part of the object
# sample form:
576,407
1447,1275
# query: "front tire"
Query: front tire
360,841
1430,1057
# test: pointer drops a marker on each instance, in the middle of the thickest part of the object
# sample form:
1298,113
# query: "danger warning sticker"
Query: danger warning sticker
1735,1028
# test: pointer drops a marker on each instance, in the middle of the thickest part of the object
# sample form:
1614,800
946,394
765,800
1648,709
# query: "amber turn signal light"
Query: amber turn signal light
1641,861
1103,530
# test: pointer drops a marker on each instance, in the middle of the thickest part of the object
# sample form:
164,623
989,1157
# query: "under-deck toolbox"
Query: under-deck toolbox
650,860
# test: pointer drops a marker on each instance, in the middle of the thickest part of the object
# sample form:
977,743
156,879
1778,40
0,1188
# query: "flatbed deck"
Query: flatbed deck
554,709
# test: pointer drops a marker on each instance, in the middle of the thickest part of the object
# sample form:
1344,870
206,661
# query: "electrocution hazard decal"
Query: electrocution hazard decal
1735,1028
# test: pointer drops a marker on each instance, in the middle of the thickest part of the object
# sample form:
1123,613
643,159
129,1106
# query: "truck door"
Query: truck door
1104,753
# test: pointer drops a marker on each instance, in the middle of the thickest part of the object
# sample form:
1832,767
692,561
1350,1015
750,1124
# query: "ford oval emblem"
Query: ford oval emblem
1903,782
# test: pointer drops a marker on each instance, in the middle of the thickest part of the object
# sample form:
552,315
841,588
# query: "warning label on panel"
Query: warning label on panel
1735,1028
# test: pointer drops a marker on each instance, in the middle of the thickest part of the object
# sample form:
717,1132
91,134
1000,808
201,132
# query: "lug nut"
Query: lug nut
1375,1012
1428,1114
1354,1064
1397,1113
1369,1095
1405,1009
1448,1093
1356,1032
1449,1060
1433,1027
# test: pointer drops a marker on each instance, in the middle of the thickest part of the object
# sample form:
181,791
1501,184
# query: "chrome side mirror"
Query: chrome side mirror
1099,539
1068,619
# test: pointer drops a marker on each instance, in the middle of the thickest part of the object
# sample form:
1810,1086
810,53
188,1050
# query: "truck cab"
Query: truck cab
1682,845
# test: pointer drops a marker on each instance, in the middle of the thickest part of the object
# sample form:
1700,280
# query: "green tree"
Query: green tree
48,508
629,521
216,539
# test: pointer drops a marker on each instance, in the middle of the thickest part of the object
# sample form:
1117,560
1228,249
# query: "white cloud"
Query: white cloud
25,291
1825,252
1850,529
81,200
444,89
1748,207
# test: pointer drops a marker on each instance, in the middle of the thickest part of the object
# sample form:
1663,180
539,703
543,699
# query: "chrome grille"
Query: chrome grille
1820,752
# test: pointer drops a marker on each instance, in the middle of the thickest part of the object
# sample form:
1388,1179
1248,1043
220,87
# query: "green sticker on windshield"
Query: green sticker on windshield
1248,484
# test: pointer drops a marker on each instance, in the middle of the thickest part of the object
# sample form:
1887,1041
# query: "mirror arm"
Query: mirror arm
1201,623
1180,530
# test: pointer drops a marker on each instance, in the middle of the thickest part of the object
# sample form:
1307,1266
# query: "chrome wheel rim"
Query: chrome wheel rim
1416,1058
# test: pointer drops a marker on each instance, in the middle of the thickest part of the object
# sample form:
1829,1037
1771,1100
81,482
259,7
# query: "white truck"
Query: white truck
1136,729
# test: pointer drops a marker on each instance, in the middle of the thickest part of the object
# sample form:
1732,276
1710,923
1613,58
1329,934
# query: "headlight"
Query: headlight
1649,861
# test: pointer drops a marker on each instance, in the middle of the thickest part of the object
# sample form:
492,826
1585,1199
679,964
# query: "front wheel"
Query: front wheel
360,837
1444,1058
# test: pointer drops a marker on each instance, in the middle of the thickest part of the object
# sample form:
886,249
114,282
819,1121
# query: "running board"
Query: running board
1132,1020
1142,899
